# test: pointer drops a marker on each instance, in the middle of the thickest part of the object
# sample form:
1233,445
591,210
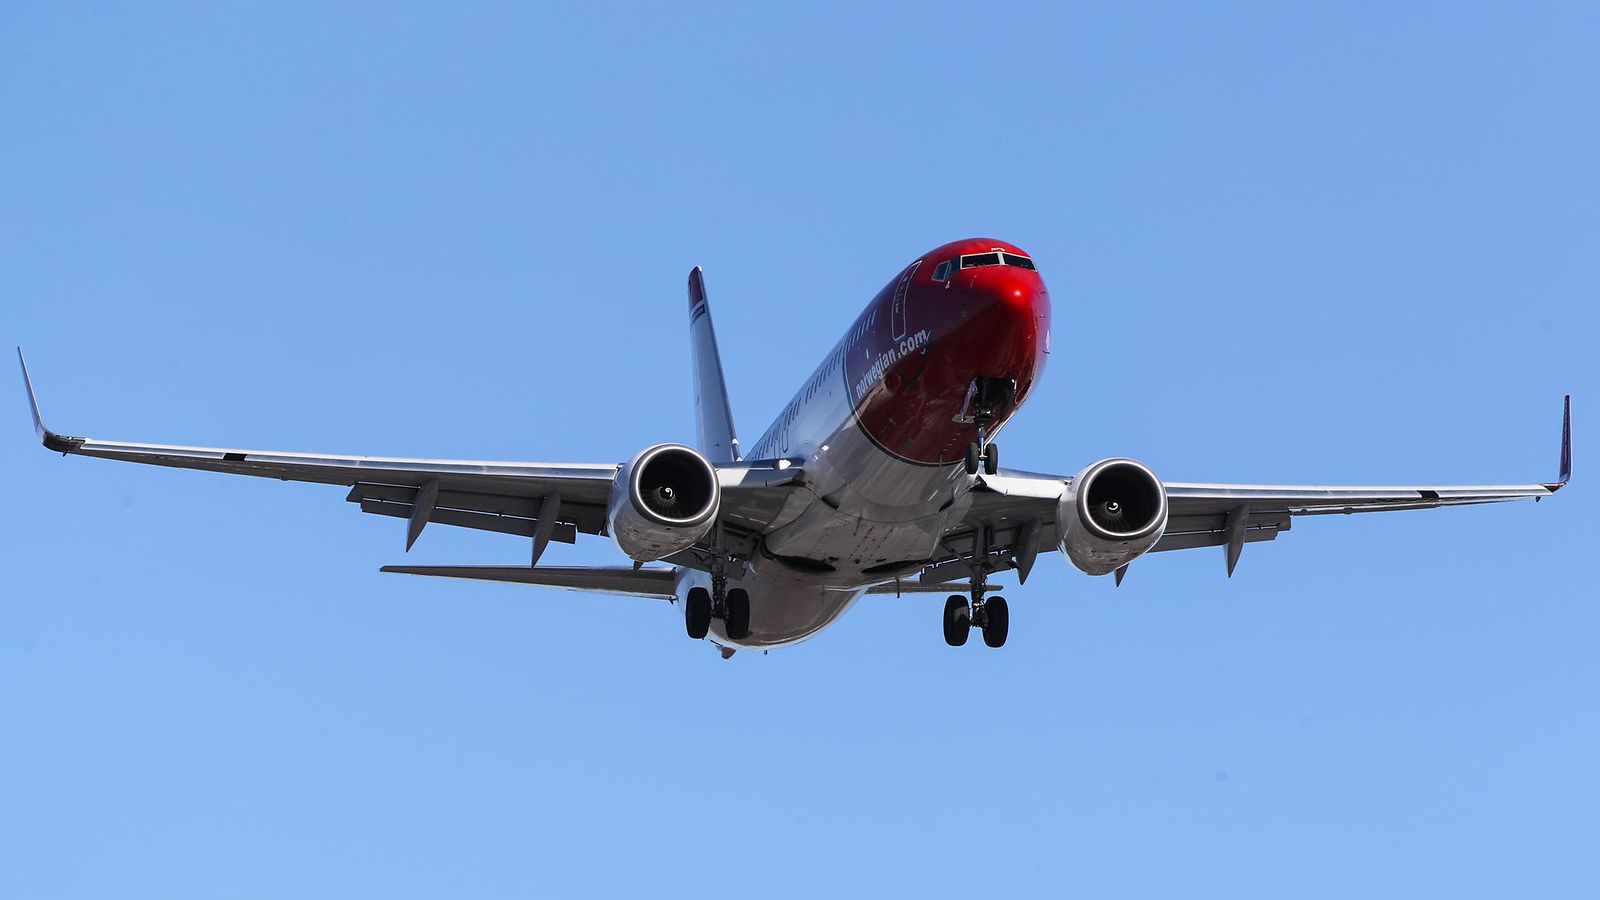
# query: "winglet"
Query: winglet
1565,474
49,438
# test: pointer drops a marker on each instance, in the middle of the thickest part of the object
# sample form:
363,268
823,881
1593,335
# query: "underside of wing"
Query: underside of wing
545,501
1012,516
541,501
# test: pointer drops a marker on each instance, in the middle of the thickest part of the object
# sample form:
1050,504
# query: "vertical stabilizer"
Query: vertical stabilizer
717,439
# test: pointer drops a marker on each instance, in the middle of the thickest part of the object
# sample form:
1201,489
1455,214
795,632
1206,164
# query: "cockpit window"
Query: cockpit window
943,270
995,258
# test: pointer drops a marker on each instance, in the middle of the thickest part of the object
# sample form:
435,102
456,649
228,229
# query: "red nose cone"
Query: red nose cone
972,311
1008,322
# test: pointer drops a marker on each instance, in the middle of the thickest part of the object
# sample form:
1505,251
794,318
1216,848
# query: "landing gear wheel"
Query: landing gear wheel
737,622
697,612
957,620
991,460
996,621
972,459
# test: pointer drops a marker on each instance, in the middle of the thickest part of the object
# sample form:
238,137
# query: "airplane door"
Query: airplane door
897,314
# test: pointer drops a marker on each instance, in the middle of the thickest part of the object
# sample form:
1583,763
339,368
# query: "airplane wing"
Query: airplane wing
508,497
543,501
1018,510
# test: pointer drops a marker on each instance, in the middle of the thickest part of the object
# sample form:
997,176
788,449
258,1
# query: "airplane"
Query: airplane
880,476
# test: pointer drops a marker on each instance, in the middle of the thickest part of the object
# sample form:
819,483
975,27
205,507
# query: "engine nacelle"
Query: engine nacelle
664,500
1114,510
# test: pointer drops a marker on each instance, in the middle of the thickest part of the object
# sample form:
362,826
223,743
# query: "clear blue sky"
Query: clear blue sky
1344,244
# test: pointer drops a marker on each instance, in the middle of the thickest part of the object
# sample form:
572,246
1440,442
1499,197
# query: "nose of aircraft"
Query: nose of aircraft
1008,318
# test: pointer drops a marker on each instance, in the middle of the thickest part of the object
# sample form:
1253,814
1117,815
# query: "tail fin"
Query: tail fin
717,439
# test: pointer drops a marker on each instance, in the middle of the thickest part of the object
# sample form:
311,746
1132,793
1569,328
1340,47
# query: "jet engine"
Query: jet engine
1114,510
664,500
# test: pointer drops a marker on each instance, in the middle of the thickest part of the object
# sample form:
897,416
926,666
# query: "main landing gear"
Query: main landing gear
993,616
990,614
732,607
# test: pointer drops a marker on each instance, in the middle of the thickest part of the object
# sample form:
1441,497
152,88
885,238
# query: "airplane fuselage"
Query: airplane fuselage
881,431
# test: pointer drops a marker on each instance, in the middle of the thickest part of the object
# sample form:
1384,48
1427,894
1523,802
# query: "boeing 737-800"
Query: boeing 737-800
881,476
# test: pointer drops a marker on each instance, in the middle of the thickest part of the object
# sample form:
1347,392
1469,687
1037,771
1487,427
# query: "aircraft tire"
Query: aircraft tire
991,459
737,623
697,613
957,620
973,460
996,621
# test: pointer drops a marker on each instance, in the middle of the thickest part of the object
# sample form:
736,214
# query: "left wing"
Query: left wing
1017,511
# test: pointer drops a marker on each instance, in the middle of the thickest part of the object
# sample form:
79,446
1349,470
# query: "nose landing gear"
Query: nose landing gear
983,454
987,401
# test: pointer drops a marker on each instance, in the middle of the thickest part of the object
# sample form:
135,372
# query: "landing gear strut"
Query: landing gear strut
986,401
991,614
731,606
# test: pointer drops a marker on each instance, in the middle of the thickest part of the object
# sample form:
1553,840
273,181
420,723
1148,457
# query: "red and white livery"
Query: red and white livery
881,475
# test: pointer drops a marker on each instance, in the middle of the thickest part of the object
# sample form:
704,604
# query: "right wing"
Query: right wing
508,497
543,501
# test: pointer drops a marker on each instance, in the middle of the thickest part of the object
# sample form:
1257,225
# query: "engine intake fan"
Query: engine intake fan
1114,511
664,500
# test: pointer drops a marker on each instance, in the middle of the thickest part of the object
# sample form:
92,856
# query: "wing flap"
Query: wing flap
565,533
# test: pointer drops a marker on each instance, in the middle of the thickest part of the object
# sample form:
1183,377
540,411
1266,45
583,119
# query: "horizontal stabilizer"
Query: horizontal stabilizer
655,583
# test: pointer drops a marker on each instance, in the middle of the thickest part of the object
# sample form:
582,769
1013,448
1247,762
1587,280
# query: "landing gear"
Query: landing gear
736,618
993,616
697,613
700,607
731,606
996,618
957,620
983,454
987,402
